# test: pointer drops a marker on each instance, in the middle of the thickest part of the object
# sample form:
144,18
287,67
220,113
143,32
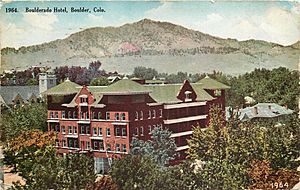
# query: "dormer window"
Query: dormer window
188,97
83,99
217,92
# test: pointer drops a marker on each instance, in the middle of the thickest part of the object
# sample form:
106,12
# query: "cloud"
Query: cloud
94,18
42,21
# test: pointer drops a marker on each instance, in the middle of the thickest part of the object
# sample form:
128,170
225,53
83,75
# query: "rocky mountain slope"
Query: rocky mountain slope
164,46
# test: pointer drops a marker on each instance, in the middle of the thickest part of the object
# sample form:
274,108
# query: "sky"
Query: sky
273,21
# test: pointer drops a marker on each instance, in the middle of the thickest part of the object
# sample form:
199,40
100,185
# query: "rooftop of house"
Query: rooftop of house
64,88
261,110
211,84
9,93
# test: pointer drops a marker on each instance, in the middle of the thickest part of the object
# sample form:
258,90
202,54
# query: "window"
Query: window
142,131
107,116
69,114
88,145
42,81
51,115
123,116
107,131
100,131
70,143
74,115
99,115
63,129
188,97
124,132
88,130
63,114
94,131
95,145
149,129
160,112
108,148
56,114
149,114
117,116
83,100
57,128
118,131
124,148
76,143
51,81
82,131
118,148
101,145
218,92
93,115
136,131
64,143
82,144
136,115
81,115
153,114
87,115
141,115
74,129
56,142
70,130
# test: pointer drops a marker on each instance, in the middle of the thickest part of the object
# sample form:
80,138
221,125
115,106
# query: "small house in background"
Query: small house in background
112,79
260,111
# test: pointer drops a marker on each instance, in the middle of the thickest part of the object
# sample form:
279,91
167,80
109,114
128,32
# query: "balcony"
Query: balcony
180,148
84,121
71,135
83,104
184,119
185,133
184,105
53,120
96,137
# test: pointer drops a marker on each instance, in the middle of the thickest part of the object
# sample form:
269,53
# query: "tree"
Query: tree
14,121
100,81
33,156
161,147
228,150
134,172
145,73
103,183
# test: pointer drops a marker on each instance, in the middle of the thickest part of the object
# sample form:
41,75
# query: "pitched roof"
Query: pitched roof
202,95
67,87
9,93
209,83
126,86
264,110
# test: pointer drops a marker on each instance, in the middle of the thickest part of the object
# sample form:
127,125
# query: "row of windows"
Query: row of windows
86,130
139,131
151,114
86,145
85,115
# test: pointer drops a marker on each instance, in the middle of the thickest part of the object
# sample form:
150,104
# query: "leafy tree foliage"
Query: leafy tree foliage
103,183
145,73
14,121
228,150
100,81
161,147
134,172
33,156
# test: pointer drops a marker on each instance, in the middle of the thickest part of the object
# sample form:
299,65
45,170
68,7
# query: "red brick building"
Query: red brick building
103,120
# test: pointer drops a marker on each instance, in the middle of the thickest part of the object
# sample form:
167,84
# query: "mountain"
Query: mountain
161,45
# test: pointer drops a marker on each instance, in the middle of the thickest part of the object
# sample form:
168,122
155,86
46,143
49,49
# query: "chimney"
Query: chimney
255,110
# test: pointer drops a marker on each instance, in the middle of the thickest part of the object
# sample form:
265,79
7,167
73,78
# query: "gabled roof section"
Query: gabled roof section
125,86
211,84
65,88
202,95
165,93
9,93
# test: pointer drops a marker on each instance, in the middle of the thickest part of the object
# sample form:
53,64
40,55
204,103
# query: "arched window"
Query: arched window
149,114
99,115
136,115
153,114
123,116
74,115
141,115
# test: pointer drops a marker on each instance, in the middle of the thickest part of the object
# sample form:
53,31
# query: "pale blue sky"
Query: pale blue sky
271,21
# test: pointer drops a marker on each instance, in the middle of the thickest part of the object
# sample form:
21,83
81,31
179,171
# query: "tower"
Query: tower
46,81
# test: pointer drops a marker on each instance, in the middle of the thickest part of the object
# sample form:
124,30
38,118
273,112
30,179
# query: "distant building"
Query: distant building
18,95
260,111
112,79
103,120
